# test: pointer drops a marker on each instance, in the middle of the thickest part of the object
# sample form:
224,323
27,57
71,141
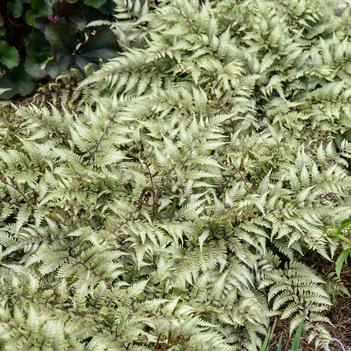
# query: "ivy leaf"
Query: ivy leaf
9,56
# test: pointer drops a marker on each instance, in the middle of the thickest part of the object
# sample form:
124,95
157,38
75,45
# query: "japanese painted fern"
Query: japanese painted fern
174,208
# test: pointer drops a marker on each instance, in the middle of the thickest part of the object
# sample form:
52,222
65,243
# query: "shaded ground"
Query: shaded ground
340,313
340,316
341,319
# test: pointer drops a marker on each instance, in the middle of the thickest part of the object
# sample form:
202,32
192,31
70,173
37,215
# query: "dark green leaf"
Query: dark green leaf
100,46
38,8
103,38
41,8
15,8
38,51
81,63
34,67
94,3
99,54
72,15
18,81
62,37
59,65
25,85
9,56
30,18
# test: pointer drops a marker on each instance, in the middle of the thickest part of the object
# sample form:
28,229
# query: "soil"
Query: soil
340,314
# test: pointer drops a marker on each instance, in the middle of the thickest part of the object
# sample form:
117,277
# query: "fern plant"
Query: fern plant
174,206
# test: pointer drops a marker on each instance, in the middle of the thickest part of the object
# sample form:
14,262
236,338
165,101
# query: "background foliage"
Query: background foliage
172,206
45,38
